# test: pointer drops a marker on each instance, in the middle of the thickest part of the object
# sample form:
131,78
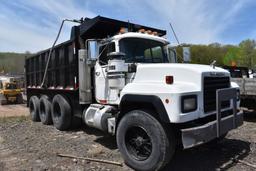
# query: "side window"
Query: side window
157,54
104,50
172,56
148,55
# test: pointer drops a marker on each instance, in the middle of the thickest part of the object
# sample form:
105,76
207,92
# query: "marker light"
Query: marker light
141,31
169,79
123,30
155,33
149,31
103,101
167,101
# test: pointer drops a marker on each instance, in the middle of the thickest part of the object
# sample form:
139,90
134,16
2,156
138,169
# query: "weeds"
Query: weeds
16,119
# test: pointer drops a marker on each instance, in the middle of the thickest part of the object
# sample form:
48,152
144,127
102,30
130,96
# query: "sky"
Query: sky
32,25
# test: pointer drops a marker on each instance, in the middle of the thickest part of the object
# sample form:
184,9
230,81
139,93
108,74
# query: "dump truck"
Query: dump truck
118,77
9,92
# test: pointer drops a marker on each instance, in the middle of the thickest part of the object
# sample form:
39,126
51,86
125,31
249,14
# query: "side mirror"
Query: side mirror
186,54
92,49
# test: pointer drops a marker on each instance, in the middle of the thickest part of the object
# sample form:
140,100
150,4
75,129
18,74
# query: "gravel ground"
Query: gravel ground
13,110
25,145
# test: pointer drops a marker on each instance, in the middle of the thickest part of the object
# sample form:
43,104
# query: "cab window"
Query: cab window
11,86
104,50
140,50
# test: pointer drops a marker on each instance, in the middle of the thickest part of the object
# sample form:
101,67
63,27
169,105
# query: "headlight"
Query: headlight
188,103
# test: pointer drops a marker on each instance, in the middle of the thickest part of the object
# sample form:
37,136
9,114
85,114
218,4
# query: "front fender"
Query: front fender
171,93
130,101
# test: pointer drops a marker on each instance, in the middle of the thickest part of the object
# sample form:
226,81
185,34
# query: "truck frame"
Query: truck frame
116,76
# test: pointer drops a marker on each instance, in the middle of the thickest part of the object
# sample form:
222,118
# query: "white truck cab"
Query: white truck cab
136,77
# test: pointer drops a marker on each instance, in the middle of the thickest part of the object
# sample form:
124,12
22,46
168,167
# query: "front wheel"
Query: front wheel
143,142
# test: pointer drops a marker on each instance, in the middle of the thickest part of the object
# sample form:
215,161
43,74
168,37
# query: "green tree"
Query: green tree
248,53
232,56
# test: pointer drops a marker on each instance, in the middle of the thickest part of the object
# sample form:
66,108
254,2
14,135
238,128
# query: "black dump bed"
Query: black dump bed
62,72
62,69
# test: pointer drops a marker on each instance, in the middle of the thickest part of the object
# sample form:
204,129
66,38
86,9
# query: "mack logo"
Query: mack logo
217,74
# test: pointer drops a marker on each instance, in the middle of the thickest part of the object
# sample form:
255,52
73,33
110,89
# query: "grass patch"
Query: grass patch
17,119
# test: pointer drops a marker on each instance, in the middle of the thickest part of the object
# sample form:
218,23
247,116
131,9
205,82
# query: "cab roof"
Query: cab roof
140,35
102,27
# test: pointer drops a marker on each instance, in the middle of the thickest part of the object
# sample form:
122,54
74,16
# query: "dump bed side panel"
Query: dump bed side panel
62,71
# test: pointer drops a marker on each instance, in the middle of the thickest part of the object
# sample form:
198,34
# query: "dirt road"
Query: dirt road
13,110
25,145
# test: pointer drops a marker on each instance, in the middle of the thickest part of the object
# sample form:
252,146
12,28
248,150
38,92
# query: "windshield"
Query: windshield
143,51
11,86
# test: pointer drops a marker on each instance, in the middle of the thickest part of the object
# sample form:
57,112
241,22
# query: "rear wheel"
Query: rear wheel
34,108
143,142
61,112
45,110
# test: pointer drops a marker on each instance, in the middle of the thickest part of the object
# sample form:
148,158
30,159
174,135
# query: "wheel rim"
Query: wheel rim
31,107
42,110
138,143
57,110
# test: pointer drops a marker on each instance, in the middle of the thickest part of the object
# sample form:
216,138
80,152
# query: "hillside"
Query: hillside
12,62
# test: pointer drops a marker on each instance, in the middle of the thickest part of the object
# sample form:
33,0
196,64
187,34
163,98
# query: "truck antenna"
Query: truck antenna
174,34
176,37
50,53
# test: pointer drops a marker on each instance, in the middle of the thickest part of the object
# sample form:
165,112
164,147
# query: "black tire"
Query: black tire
3,100
143,142
76,122
34,108
19,99
45,110
61,113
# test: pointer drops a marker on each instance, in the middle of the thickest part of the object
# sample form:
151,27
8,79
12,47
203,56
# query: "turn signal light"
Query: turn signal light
169,79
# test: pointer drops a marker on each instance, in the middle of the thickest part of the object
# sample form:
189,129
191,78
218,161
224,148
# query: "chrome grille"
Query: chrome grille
211,84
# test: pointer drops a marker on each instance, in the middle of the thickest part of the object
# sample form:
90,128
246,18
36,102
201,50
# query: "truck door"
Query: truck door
102,91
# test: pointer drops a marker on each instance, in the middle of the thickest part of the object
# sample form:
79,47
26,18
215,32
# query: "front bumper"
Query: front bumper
199,135
204,133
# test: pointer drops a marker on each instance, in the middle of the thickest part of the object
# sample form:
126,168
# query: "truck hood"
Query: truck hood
182,73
